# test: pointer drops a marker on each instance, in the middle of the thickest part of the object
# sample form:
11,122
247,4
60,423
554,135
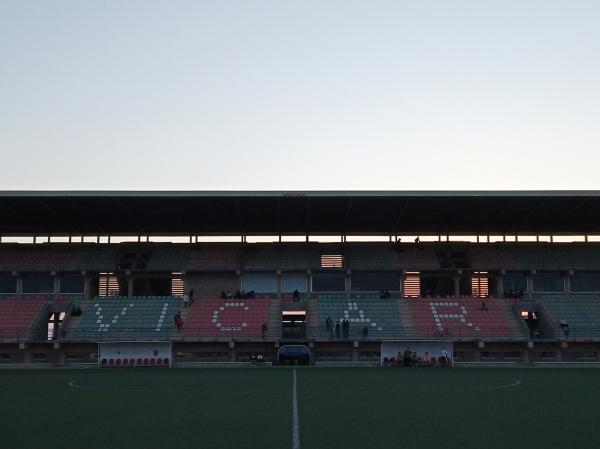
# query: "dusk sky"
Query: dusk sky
300,95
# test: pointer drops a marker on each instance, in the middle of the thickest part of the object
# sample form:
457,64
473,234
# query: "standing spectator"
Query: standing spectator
177,315
179,322
347,329
407,357
328,324
191,295
223,295
296,295
444,356
337,329
186,301
483,306
264,330
365,331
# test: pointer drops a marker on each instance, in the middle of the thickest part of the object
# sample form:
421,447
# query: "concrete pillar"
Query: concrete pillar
87,285
279,284
456,285
499,285
56,282
348,282
19,281
530,281
130,281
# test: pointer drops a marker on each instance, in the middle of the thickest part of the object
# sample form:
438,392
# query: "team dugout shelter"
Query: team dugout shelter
103,277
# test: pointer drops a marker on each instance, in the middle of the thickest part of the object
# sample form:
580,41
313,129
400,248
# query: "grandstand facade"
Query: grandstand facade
505,277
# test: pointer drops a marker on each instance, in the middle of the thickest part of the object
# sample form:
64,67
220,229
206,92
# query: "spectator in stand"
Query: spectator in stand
426,358
381,293
365,331
186,301
565,327
418,239
179,322
337,329
346,328
296,295
483,306
228,295
407,357
386,295
177,315
264,330
243,295
328,323
223,295
191,295
238,294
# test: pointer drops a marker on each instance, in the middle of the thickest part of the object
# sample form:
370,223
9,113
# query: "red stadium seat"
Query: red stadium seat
111,361
152,361
146,361
118,362
139,362
103,362
159,361
125,361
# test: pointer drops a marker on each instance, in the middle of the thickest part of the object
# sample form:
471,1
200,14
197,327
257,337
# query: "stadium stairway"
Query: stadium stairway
70,323
274,324
408,322
516,323
312,318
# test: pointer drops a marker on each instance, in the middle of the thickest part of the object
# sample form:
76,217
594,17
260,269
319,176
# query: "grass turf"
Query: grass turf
339,408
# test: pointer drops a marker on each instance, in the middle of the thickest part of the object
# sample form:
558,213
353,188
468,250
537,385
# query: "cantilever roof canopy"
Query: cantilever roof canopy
298,212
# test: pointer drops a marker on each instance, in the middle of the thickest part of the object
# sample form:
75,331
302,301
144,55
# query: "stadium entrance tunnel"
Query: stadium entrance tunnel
293,324
295,355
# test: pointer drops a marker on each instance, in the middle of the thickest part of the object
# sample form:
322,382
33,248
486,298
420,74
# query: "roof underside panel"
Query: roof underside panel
368,213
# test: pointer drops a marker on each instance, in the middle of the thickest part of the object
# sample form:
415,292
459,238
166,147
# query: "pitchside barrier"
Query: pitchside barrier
135,353
391,350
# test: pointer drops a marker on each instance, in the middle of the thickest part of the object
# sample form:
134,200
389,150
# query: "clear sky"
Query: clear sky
303,95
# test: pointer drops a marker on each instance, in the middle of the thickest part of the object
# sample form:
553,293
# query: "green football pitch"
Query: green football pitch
350,408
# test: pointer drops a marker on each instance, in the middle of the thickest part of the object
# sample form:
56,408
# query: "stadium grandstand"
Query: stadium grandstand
500,277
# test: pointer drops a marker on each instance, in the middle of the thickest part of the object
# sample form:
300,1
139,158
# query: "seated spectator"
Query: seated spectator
483,306
365,331
243,295
238,294
228,295
296,295
426,358
223,295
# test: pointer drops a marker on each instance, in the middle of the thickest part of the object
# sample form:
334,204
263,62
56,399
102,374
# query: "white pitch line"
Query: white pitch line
295,420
